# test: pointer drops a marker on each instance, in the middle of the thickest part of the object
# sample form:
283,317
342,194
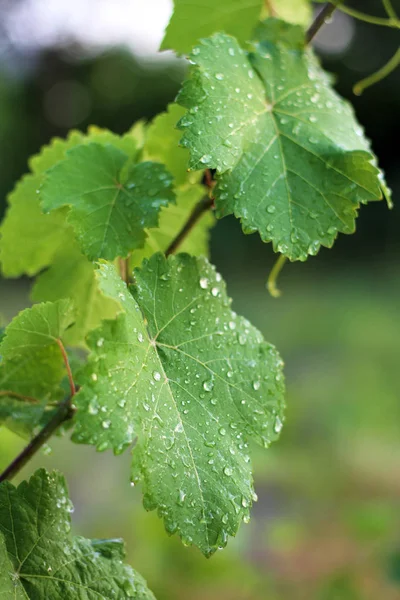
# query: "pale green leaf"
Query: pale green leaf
42,234
191,21
292,162
194,382
111,200
162,145
71,275
292,11
39,557
36,328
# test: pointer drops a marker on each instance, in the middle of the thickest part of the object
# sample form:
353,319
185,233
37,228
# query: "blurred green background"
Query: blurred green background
327,523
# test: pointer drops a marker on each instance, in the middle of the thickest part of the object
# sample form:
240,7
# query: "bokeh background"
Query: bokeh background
327,523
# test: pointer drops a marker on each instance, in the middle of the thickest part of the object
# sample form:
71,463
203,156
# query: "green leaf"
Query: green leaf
37,375
292,162
194,382
162,145
172,219
32,366
72,275
111,200
25,221
191,21
40,559
36,328
292,11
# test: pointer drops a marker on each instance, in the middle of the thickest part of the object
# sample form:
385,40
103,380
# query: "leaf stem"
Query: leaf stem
19,396
383,72
64,413
273,276
391,13
391,22
201,207
320,20
67,366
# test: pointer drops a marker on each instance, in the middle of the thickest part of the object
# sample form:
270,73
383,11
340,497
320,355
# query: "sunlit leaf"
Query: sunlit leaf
194,382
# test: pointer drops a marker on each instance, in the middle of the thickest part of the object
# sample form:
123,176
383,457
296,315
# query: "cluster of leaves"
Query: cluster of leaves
169,365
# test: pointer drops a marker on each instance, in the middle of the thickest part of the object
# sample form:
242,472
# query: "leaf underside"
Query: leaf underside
194,383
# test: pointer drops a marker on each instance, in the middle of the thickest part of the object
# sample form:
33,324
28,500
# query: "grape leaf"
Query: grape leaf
162,145
24,218
25,221
111,199
37,375
291,11
193,20
71,275
40,559
292,162
36,328
172,219
32,366
194,382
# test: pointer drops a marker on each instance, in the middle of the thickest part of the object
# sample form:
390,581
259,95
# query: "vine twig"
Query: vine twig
64,413
320,20
201,207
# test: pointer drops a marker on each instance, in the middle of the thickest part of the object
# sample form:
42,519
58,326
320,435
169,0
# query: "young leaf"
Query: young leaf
40,559
191,21
72,275
194,382
291,159
291,11
162,145
111,200
36,328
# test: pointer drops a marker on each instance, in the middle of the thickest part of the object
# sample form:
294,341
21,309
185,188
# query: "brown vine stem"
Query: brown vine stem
63,413
201,207
320,20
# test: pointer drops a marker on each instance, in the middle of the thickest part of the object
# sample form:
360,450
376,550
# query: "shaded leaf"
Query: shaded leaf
71,275
194,382
292,161
39,557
